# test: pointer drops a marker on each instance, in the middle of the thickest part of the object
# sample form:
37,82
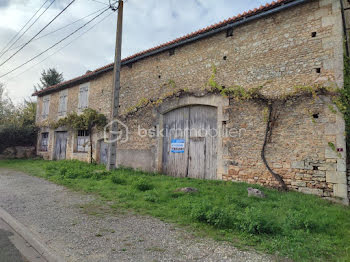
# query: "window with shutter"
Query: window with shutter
83,141
83,97
45,107
44,142
62,106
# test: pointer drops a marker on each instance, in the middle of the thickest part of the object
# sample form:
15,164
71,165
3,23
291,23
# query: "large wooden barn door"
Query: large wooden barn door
176,125
202,142
189,143
60,145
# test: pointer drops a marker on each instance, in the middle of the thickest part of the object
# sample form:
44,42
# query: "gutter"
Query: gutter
212,32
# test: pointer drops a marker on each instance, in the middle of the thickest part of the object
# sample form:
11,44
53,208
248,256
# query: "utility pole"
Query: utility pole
112,148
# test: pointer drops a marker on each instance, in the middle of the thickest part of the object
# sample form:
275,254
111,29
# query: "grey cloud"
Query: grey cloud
4,3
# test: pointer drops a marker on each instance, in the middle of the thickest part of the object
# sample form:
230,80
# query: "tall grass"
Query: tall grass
301,227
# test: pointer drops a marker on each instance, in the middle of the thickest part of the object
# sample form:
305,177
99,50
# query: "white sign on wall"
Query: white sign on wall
177,145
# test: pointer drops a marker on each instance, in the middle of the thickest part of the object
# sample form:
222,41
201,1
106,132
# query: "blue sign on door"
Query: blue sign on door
177,145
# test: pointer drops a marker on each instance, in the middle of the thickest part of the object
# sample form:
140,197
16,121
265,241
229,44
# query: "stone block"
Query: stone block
331,166
277,165
298,164
330,153
341,165
311,191
340,190
336,177
299,183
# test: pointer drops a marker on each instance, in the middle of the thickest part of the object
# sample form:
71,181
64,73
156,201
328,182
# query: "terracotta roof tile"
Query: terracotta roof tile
262,8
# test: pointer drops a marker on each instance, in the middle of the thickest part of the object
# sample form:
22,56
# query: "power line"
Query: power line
37,33
69,43
23,26
4,52
54,44
100,2
63,27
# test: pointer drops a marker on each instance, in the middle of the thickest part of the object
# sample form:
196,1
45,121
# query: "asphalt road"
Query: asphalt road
13,248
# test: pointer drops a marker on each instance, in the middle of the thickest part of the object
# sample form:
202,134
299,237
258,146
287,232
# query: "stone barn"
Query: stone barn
248,99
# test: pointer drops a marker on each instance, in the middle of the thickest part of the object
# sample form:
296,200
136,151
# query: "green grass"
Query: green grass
293,225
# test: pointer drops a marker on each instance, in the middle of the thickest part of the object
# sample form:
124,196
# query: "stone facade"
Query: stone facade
299,46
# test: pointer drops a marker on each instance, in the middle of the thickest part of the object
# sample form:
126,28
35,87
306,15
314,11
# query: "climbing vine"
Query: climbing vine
343,101
239,93
340,97
88,120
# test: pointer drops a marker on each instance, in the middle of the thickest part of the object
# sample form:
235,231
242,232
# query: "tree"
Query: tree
48,78
89,120
17,123
6,106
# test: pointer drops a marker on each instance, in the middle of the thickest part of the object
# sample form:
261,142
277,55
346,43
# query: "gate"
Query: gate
60,145
190,142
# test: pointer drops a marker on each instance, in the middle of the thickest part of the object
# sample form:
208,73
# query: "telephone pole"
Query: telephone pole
112,148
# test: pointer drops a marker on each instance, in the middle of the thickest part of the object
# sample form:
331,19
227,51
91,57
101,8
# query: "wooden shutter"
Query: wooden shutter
81,93
46,106
83,97
62,107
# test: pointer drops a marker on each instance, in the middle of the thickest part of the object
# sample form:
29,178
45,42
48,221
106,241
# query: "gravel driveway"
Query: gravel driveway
76,226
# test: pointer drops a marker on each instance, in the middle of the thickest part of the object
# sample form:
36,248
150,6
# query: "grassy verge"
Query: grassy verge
301,227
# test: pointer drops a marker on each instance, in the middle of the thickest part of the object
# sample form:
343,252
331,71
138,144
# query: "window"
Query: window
62,106
172,52
229,32
83,141
44,141
45,107
83,97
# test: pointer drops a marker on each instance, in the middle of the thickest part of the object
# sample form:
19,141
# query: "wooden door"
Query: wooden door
60,145
103,152
197,158
202,143
176,125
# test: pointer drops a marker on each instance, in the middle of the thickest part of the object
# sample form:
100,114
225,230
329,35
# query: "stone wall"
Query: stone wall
297,47
18,152
99,100
298,147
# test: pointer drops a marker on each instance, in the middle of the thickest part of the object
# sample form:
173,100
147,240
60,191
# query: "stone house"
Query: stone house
274,49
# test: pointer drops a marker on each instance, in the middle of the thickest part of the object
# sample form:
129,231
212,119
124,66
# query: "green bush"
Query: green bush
100,174
256,221
152,196
116,179
218,217
13,135
143,185
72,169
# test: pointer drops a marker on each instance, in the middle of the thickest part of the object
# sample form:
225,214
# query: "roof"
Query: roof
245,17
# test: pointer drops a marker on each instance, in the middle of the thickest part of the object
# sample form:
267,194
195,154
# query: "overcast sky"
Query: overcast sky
146,23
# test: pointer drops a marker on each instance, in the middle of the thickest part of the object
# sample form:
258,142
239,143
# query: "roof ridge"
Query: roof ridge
227,21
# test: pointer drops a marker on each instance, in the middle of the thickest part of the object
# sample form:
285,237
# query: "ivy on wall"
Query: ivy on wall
89,120
343,102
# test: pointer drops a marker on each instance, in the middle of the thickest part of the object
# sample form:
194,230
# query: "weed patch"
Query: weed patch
294,225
